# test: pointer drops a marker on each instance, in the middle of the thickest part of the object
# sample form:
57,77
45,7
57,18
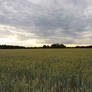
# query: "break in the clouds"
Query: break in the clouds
32,22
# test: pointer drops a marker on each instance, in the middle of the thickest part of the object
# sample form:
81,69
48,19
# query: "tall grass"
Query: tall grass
50,70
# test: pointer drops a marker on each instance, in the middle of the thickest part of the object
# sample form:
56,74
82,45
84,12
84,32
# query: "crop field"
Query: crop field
46,70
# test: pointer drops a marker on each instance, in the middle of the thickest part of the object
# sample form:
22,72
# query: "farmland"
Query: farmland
46,70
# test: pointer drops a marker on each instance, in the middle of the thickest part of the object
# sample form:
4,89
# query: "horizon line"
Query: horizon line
67,45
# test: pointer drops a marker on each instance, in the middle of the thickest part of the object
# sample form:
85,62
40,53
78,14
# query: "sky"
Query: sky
38,22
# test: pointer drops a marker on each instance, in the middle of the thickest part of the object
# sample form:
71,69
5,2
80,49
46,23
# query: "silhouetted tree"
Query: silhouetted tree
58,46
84,46
46,46
11,47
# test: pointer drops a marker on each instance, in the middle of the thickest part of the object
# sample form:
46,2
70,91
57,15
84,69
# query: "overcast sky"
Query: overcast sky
36,22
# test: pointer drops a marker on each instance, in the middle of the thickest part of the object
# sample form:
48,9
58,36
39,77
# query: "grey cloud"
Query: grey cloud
52,20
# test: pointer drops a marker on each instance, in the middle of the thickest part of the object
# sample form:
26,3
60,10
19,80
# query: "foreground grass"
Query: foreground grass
46,70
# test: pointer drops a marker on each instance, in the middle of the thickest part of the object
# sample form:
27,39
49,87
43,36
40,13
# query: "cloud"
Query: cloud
47,21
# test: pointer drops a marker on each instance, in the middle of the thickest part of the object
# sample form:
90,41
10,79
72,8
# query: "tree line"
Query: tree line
44,46
84,46
55,46
11,47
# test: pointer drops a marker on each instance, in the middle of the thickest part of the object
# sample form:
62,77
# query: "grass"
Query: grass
46,70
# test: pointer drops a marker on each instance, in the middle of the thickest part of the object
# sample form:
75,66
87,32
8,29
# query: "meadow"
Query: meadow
46,70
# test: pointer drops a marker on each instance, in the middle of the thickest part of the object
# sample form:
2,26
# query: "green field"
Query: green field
46,70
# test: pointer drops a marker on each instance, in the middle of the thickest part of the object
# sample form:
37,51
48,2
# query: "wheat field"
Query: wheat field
46,70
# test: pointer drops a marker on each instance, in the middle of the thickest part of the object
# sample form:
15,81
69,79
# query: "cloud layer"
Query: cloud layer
46,21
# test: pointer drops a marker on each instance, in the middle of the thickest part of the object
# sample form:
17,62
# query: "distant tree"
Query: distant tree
90,46
11,47
58,46
46,46
84,46
62,46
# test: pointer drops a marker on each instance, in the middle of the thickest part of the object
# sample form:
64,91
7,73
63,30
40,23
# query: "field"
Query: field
46,70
